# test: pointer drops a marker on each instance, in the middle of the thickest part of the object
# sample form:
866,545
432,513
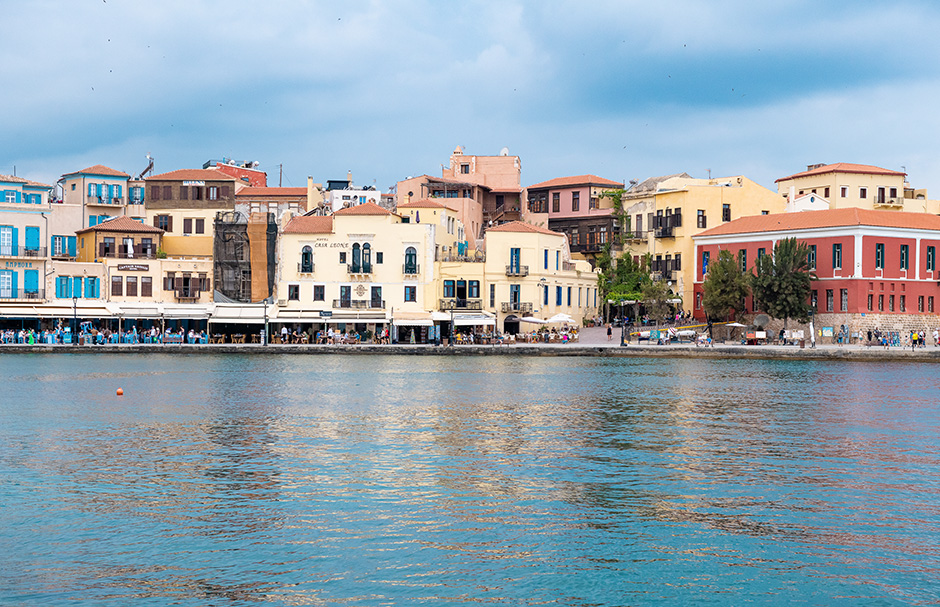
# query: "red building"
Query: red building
874,268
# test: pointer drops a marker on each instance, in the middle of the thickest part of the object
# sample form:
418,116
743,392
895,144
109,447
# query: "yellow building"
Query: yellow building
862,186
450,235
662,214
132,270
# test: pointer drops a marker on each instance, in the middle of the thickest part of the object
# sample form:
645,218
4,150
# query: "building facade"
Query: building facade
24,217
874,269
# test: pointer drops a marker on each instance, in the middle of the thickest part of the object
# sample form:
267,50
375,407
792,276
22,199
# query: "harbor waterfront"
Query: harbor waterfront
441,480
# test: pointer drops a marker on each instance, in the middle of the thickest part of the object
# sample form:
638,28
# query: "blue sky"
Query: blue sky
625,90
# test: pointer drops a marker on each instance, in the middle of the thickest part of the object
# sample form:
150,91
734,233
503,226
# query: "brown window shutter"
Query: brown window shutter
167,192
184,192
178,283
187,225
200,226
169,223
155,192
224,191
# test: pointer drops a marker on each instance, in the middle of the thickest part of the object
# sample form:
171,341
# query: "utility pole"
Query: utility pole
280,174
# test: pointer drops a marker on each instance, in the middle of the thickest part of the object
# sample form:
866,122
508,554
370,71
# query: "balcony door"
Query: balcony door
6,285
128,247
6,241
345,296
514,296
514,260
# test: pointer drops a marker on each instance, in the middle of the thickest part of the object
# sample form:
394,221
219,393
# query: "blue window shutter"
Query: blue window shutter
51,244
31,281
32,238
77,286
18,196
71,240
58,287
16,242
15,275
97,287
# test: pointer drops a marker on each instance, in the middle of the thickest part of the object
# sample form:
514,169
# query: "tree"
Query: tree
781,285
726,286
620,279
656,296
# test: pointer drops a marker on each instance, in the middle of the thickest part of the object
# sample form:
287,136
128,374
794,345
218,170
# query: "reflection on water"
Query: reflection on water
392,480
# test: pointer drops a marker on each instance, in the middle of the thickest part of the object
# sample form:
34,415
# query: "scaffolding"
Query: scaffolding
240,275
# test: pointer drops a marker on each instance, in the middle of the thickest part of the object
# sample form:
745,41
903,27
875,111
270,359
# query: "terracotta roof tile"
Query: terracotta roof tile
808,220
520,226
123,224
12,179
423,203
366,208
563,182
843,167
310,224
261,192
192,175
100,169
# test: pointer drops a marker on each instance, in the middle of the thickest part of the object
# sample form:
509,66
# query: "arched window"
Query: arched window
356,258
306,259
411,261
366,258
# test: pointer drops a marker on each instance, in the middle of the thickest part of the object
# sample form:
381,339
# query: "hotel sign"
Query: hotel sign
194,183
133,267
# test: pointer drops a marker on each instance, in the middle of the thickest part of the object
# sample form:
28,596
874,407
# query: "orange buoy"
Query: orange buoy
120,391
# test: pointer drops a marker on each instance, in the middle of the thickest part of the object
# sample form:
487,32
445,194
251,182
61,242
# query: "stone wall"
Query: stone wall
904,323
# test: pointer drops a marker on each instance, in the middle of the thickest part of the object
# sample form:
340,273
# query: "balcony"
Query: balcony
568,266
187,294
882,202
517,270
18,251
137,251
305,268
411,269
365,268
22,294
635,235
516,307
454,303
102,201
664,232
477,257
359,304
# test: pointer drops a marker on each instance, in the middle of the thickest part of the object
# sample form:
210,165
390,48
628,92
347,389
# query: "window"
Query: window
558,295
117,286
844,191
698,301
677,264
449,288
474,290
902,303
293,292
893,193
879,256
920,303
826,193
378,257
905,250
593,202
557,260
168,281
700,219
880,195
356,257
306,259
200,225
556,202
187,226
760,253
492,296
376,299
155,192
213,192
742,257
837,256
863,192
812,257
319,292
881,303
931,259
184,192
132,286
829,301
639,224
465,169
167,192
146,286
726,212
197,193
871,302
704,262
342,256
345,296
367,257
546,259
844,300
930,304
411,293
576,201
569,297
411,260
165,223
890,303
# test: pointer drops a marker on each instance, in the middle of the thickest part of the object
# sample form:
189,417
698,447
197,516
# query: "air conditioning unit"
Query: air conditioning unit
282,302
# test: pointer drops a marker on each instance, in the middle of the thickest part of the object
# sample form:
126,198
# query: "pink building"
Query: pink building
577,207
874,268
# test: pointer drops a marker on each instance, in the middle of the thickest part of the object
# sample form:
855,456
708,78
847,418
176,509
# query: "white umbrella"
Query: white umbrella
561,318
735,324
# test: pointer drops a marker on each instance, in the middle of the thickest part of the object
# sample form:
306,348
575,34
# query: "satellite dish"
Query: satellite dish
761,320
504,152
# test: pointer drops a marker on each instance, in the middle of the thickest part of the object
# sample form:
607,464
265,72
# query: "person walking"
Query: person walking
610,332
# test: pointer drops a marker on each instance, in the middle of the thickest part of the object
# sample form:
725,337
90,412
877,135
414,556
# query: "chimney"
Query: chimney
309,192
349,177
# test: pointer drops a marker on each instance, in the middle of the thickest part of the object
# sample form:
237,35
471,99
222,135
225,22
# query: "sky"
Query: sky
621,89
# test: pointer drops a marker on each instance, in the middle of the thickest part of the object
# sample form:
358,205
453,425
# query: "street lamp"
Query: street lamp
264,338
74,318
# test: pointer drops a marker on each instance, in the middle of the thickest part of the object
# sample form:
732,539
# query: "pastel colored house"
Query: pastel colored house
24,211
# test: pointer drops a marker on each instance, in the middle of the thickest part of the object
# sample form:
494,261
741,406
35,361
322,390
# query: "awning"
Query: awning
473,320
532,319
414,319
235,313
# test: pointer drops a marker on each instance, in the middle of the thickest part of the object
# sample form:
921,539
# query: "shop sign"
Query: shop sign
133,267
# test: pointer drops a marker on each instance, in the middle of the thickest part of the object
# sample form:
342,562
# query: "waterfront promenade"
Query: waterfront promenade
593,342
